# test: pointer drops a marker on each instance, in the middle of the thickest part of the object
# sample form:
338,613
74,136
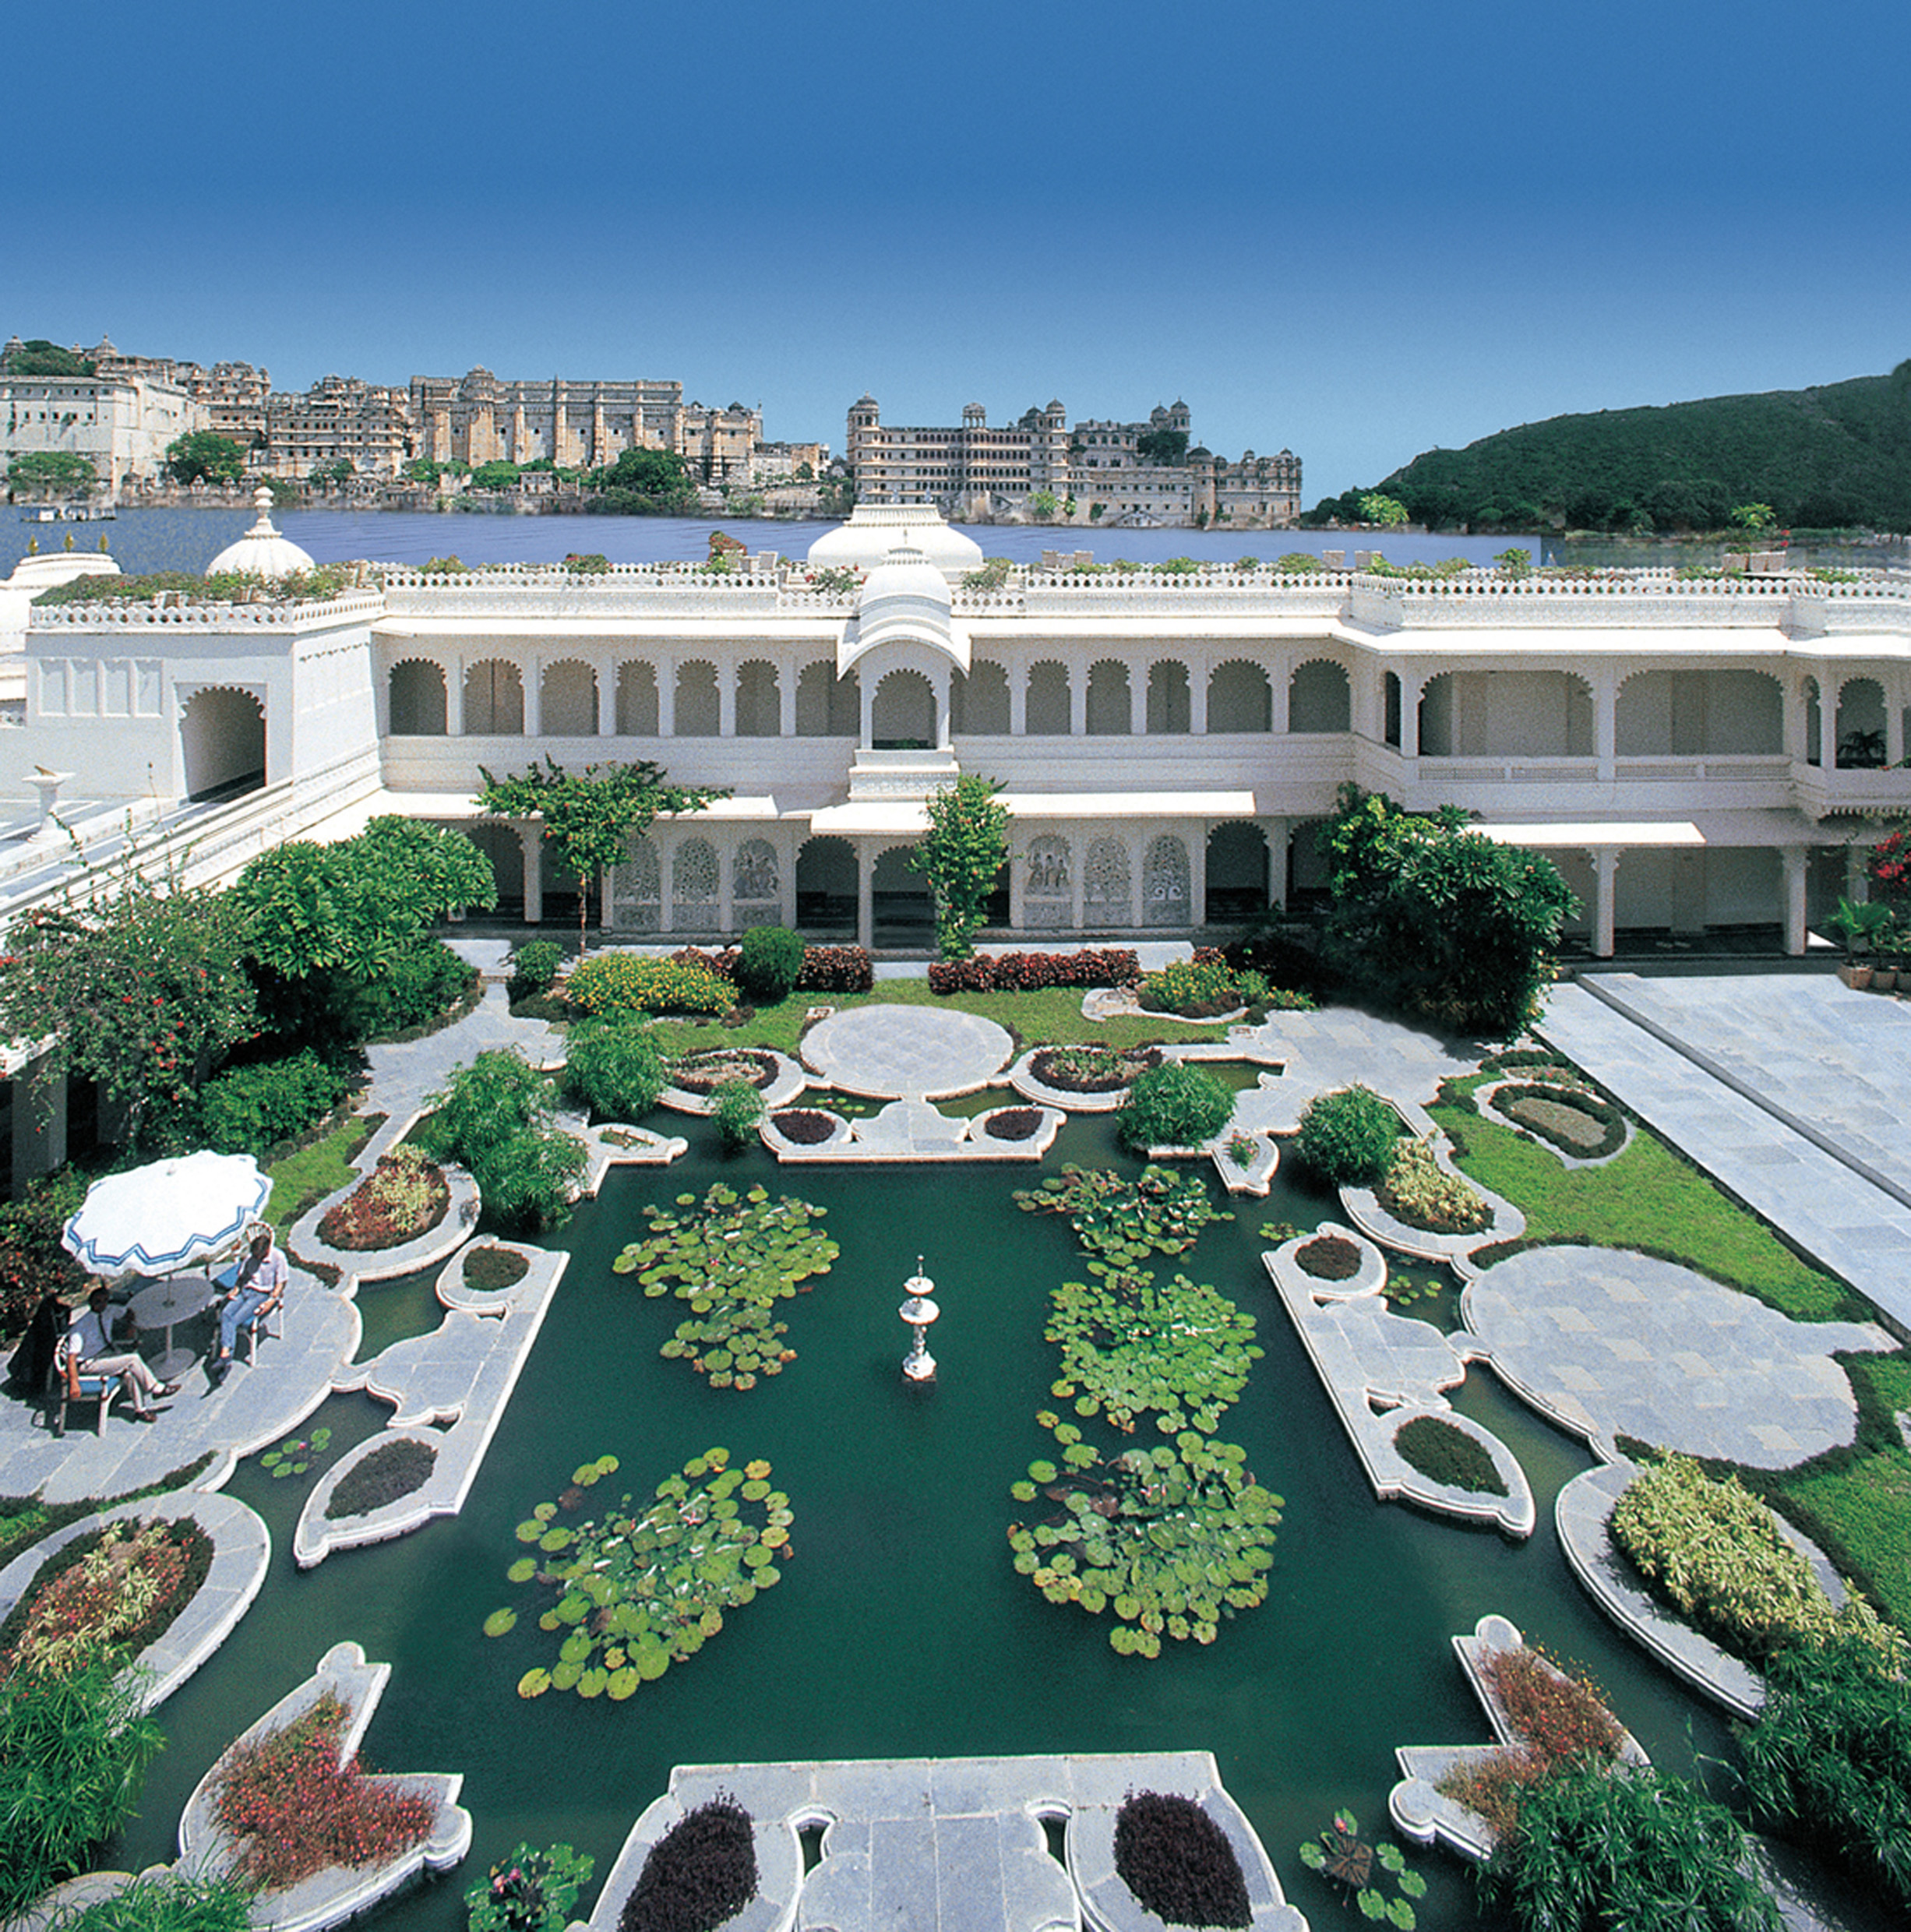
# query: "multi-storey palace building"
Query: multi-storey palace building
1096,471
478,418
1694,755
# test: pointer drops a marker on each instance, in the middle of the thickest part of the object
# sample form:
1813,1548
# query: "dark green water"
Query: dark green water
899,1628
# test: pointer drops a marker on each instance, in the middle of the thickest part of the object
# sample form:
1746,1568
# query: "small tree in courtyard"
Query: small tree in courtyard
966,845
589,816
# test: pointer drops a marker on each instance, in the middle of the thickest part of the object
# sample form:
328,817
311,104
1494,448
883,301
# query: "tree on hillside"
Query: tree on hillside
42,357
1388,511
966,845
204,455
589,816
499,475
1439,919
52,473
1162,445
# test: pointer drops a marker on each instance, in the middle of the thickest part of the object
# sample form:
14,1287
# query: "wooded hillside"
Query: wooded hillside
1837,456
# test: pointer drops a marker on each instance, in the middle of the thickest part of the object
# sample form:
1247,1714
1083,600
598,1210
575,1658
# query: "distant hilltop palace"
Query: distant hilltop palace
123,413
1108,475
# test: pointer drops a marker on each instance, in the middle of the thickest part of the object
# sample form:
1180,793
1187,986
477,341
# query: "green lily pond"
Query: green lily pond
597,1614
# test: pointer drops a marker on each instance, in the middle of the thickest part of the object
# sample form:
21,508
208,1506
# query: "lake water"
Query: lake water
144,540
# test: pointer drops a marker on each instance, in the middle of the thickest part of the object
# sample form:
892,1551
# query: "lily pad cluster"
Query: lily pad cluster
732,1257
1124,1221
1169,1540
296,1453
646,1584
1182,1352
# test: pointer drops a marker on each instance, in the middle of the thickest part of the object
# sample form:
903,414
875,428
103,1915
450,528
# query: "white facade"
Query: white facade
121,424
1692,755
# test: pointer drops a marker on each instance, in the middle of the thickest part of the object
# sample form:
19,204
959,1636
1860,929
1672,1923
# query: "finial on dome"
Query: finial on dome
262,502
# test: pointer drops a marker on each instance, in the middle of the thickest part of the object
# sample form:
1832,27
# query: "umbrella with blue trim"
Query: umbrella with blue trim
159,1218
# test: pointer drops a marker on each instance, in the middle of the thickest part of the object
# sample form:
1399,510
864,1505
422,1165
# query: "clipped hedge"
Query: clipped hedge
248,1109
1446,1454
392,1470
633,982
769,964
1606,1124
1032,972
1714,1552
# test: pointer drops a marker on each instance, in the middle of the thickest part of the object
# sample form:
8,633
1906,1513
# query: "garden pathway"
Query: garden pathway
1790,1090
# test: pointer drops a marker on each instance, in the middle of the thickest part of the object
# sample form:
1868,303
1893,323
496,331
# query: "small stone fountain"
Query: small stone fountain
918,1311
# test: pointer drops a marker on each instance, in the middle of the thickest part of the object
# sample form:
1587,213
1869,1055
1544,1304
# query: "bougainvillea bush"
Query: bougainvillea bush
297,1805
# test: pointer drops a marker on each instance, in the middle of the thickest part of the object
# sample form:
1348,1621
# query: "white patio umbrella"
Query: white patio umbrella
160,1217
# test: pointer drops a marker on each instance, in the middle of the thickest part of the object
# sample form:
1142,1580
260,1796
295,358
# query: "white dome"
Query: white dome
905,601
262,550
877,529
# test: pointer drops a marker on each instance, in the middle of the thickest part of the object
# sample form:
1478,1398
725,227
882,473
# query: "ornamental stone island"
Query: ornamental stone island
1694,755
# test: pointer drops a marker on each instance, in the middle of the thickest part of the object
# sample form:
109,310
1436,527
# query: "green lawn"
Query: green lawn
1050,1017
1860,1508
1647,1198
302,1180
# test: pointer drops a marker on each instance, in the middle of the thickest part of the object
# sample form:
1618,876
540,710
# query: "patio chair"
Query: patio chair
228,1279
66,1386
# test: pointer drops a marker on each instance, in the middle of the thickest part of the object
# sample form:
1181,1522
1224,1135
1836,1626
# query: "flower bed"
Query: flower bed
298,1805
1446,1454
700,1872
1178,1863
1330,1257
1419,1191
1577,1123
1091,1070
490,1270
119,1590
704,1072
1013,1124
392,1470
405,1196
808,1127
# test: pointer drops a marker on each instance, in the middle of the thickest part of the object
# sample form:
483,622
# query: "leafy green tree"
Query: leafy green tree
52,473
806,472
333,475
42,357
1388,511
1515,563
423,469
139,989
657,481
589,816
1175,1104
73,1750
1755,516
497,1119
203,455
498,475
836,496
1438,918
966,845
1043,504
1162,445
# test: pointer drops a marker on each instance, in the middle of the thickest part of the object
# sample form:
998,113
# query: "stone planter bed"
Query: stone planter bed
1028,1078
1364,1210
356,1265
360,1225
803,1128
777,1077
242,1551
1495,1102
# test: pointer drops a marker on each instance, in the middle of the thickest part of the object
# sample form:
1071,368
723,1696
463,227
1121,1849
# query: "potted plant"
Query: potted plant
1858,925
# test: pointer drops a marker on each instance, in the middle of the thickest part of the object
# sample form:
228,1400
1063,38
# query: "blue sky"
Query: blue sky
1355,232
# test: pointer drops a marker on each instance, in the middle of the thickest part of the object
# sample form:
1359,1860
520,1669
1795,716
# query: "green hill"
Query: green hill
1822,458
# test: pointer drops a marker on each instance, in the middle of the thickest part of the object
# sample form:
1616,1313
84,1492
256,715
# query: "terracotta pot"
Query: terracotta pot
1883,978
1856,975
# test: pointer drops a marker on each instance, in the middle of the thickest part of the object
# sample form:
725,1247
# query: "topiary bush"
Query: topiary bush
1177,1861
1173,1105
1347,1136
769,963
616,1071
248,1109
702,1871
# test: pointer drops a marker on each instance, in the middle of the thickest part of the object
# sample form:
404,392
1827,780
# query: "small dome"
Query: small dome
877,529
906,571
262,550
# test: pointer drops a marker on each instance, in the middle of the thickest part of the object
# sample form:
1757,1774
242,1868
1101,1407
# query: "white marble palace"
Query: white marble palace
1694,755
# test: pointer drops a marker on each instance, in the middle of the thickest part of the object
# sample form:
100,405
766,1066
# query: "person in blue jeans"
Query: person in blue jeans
258,1289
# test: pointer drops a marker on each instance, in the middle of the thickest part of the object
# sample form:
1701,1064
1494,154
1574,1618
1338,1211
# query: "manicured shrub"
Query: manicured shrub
1173,1105
616,1071
1594,1849
535,968
392,1470
1346,1137
1330,1257
1029,972
1446,1454
702,1871
73,1748
416,990
248,1109
296,1806
837,969
630,982
1177,1861
1417,1190
1711,1550
737,1108
176,1902
1831,1753
769,963
496,1119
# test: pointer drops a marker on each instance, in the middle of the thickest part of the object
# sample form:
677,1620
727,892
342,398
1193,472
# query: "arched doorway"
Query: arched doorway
1237,874
903,714
904,909
504,847
222,734
826,885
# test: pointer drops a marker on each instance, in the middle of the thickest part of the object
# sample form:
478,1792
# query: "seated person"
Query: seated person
91,1350
257,1288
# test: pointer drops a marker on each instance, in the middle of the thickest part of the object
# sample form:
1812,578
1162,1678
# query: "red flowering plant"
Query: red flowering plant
299,1806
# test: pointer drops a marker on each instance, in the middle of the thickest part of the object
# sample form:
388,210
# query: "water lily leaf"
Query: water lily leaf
523,1571
622,1682
534,1683
500,1622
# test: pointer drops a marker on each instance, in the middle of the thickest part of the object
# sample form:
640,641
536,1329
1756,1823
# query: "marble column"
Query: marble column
1605,891
1795,859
